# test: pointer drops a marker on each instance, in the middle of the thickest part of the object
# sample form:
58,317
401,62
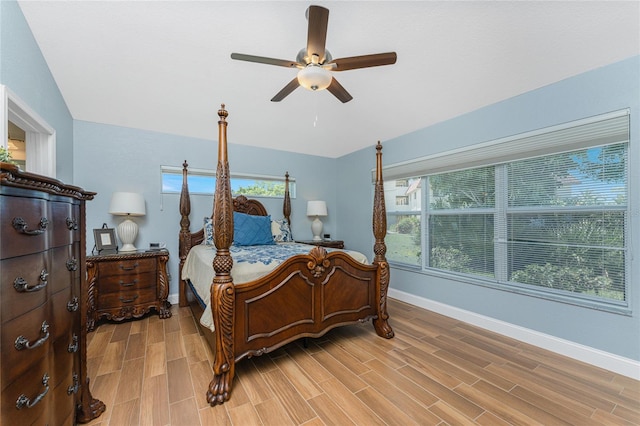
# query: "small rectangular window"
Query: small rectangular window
204,182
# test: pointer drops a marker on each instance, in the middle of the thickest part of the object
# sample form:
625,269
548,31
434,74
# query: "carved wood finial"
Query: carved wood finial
222,113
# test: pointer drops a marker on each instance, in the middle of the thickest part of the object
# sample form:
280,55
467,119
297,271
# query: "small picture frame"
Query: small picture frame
105,239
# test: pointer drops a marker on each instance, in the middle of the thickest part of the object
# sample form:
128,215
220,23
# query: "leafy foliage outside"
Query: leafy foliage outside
262,189
5,155
565,221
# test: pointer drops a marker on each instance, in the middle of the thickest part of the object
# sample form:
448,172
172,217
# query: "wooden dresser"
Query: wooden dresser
43,302
127,285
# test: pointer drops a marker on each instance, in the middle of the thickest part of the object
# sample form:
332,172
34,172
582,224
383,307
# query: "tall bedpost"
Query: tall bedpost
381,323
286,205
222,290
185,237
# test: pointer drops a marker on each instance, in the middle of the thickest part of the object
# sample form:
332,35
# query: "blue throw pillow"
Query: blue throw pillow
249,230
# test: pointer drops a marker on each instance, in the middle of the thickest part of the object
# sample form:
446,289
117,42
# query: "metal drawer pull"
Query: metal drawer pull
73,347
21,285
72,305
24,343
129,268
24,401
73,388
123,284
123,300
72,224
72,264
20,225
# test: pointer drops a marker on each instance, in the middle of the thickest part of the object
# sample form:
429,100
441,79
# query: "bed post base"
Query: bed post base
224,361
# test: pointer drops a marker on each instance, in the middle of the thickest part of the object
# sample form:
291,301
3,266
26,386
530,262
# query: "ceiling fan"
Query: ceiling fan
315,62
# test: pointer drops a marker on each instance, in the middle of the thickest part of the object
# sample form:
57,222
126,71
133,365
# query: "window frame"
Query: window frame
174,170
500,273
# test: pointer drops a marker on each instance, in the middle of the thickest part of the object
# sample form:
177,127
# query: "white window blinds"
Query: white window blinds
593,131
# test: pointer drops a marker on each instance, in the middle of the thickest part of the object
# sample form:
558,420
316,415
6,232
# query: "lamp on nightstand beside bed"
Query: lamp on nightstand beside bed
316,209
127,204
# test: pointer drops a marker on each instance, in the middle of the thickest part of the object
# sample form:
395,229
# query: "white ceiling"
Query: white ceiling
165,65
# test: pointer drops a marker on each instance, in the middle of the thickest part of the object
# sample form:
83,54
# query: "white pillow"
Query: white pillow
281,231
208,231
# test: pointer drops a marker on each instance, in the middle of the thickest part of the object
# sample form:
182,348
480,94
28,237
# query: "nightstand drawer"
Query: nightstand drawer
125,282
128,267
127,298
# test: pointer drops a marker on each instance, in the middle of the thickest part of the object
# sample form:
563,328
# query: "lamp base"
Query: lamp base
316,229
128,231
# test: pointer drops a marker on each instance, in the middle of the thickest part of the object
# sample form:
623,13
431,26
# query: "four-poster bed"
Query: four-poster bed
306,295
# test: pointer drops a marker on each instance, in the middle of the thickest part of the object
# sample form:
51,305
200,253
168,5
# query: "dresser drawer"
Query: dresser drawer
128,267
63,224
64,309
34,387
127,298
30,332
64,402
25,273
62,366
63,265
30,232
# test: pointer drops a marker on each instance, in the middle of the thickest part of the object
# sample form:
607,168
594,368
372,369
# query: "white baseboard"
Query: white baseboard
173,298
608,361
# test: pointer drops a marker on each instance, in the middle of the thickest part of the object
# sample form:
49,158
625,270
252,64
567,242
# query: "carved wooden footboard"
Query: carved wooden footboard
306,296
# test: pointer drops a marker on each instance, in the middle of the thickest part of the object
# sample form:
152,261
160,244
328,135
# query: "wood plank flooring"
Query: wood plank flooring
436,370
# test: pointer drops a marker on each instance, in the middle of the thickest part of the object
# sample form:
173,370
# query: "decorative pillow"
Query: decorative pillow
208,231
249,230
281,231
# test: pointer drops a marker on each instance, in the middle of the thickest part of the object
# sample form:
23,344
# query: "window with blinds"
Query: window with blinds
552,223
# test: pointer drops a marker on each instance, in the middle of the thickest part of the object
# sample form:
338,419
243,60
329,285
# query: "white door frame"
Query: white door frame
40,136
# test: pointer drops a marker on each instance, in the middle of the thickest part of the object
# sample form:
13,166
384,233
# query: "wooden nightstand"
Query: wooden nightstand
324,243
127,285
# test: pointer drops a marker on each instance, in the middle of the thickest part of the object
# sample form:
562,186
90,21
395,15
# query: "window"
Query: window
204,182
552,224
403,222
402,200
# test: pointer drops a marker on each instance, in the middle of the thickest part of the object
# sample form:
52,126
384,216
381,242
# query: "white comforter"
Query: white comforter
249,263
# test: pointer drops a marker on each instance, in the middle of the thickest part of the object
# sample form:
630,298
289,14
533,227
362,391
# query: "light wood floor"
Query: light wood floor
436,370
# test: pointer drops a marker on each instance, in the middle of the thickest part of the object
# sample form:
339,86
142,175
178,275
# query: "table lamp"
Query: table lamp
316,209
127,204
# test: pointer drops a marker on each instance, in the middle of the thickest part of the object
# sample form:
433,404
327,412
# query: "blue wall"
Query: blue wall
610,88
111,158
24,71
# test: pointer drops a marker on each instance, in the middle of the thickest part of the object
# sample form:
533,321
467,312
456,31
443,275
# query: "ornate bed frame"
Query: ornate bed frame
306,296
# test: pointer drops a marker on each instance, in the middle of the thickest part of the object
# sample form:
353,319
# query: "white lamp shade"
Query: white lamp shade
314,77
127,204
316,208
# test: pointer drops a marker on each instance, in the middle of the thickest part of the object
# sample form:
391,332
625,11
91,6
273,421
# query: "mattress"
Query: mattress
249,263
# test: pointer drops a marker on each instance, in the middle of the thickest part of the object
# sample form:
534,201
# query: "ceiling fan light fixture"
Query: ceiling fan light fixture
313,77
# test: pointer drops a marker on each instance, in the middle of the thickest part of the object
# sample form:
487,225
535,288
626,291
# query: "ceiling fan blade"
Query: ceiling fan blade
364,61
286,90
264,60
317,33
338,91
